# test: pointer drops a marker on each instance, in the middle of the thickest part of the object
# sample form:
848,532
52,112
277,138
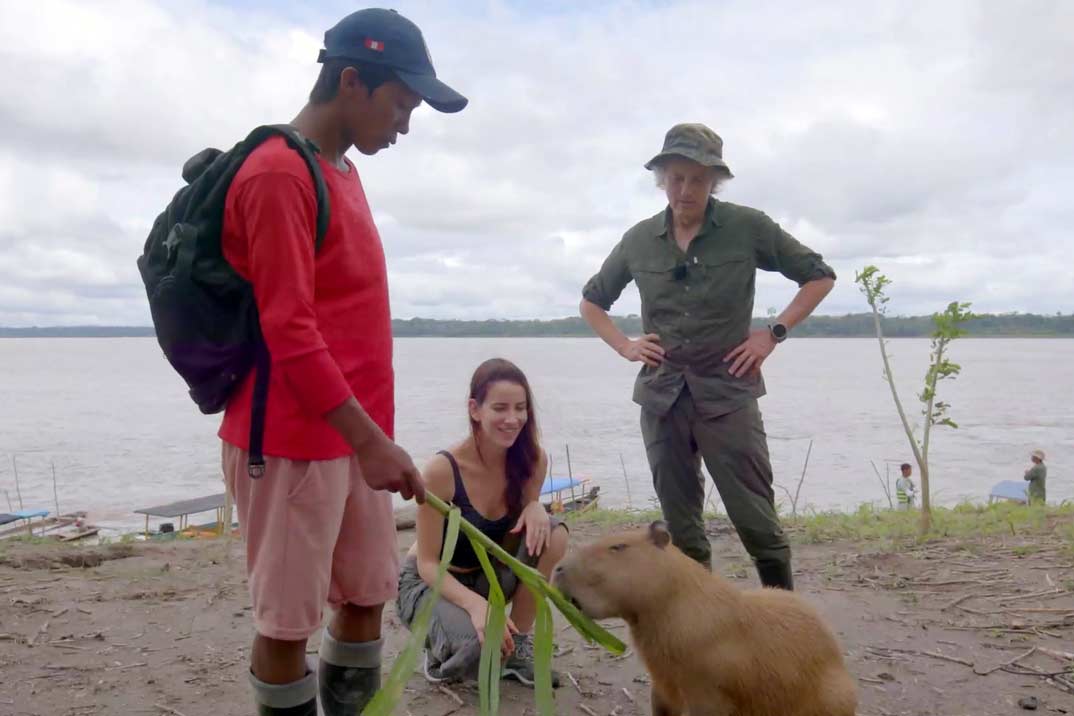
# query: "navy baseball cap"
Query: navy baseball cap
384,37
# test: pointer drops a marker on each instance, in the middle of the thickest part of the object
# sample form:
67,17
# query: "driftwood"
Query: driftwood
405,517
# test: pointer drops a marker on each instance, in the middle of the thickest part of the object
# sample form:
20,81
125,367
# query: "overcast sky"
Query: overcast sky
935,140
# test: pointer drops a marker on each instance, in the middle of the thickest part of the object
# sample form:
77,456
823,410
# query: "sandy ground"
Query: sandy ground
952,627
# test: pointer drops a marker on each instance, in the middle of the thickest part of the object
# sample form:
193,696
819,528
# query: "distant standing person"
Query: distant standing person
905,491
695,263
1035,476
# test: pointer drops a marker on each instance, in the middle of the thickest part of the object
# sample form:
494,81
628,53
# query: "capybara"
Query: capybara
710,648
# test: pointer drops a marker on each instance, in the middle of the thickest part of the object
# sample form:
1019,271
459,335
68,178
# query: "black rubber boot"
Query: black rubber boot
775,574
299,698
346,690
348,675
307,709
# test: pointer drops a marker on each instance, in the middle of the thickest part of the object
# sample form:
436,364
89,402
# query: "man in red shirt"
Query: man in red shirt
318,525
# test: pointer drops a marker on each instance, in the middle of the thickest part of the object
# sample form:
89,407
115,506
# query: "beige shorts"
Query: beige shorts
315,534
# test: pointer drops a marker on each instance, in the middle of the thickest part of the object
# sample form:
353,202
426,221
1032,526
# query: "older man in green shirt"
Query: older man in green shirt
695,264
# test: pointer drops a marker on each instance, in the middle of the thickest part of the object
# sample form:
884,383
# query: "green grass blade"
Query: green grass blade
495,625
387,698
542,656
489,668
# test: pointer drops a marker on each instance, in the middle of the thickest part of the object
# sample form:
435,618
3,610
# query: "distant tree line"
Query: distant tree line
1026,325
852,325
77,332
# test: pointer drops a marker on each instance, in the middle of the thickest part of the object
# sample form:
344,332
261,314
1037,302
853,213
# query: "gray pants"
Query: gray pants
452,641
735,450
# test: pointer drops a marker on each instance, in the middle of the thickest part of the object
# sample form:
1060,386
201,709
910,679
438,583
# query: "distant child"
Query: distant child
905,490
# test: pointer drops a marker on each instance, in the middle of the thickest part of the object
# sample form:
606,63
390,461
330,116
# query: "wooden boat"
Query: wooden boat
22,522
66,528
569,494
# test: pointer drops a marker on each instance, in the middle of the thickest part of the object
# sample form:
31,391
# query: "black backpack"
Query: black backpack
203,312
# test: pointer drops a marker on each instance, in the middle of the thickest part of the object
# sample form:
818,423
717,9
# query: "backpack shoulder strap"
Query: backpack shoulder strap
308,151
263,364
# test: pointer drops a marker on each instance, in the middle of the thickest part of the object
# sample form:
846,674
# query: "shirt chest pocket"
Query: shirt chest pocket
727,281
659,278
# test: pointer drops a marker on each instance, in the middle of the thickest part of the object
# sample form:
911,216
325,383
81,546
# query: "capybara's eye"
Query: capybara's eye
618,547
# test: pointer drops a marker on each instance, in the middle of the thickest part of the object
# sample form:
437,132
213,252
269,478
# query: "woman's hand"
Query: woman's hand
479,612
537,526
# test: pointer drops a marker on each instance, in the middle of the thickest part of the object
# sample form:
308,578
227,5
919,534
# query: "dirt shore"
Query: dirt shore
968,626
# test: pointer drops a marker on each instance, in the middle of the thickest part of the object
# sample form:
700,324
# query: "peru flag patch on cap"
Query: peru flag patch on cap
374,45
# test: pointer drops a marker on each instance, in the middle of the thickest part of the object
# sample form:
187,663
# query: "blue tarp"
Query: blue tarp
6,517
27,514
1010,490
556,484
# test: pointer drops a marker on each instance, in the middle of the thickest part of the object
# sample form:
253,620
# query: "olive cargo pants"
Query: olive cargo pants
735,450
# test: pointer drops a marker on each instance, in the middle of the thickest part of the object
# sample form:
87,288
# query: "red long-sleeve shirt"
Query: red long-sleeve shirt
325,317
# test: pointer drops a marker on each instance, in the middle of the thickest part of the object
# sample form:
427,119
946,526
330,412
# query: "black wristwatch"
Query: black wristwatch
778,331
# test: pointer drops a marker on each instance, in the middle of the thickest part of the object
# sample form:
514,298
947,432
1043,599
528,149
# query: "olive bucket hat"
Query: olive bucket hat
692,141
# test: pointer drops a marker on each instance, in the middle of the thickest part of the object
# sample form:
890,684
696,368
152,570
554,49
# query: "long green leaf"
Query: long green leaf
542,656
521,570
585,626
386,699
529,576
495,620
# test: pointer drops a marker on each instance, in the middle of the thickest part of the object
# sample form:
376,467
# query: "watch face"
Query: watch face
779,331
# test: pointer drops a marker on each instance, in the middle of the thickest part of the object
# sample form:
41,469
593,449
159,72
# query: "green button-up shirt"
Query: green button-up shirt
700,302
1036,476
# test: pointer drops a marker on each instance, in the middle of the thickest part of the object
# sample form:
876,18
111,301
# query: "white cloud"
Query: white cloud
931,138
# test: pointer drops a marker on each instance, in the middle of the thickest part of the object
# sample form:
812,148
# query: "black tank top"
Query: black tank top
495,530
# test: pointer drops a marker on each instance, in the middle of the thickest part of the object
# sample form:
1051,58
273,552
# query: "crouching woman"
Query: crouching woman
494,477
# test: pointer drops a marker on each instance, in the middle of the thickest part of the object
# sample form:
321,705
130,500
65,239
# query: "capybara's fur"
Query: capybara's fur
710,648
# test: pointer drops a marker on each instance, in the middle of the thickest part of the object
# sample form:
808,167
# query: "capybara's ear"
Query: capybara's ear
658,533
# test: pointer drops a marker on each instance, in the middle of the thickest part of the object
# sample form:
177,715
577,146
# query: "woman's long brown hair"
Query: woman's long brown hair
523,455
